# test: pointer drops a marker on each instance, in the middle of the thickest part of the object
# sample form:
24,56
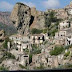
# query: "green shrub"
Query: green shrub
8,55
30,58
45,42
21,66
26,50
3,68
67,54
36,31
45,30
5,43
57,50
67,66
35,49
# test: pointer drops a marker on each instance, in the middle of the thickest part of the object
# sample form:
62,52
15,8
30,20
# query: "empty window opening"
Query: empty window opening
22,18
25,12
1,40
69,42
61,35
17,28
14,22
38,38
25,56
20,25
23,21
23,15
23,32
0,34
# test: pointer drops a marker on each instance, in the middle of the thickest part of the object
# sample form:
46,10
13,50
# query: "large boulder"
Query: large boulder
20,17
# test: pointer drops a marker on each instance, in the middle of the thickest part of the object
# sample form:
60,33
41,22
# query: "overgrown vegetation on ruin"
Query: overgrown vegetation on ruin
51,23
7,55
35,49
57,50
36,31
2,68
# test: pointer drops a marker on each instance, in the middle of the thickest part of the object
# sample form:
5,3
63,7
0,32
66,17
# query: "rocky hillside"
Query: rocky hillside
9,29
6,24
5,18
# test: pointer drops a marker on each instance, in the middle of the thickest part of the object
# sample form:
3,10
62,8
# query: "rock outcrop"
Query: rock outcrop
39,19
25,18
20,17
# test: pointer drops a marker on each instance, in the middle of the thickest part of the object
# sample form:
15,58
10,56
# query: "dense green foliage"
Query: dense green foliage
67,66
26,50
30,58
35,49
9,30
8,55
36,31
3,68
21,66
5,43
57,50
49,19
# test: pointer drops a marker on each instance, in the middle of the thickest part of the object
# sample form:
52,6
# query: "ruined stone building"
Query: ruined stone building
21,42
37,39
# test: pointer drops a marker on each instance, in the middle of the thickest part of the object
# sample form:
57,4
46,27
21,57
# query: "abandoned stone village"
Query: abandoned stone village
43,41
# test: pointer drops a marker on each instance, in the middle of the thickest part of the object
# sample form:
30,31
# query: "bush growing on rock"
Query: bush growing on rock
57,50
36,31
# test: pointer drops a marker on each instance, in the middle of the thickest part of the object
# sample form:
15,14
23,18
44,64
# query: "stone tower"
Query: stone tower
20,17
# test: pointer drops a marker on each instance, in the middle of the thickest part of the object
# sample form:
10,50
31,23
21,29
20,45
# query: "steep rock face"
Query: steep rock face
60,13
39,19
20,17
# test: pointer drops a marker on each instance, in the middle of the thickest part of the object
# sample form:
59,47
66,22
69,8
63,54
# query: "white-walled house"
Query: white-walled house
22,42
63,37
64,24
37,38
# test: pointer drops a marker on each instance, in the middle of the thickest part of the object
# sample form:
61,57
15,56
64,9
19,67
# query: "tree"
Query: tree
30,58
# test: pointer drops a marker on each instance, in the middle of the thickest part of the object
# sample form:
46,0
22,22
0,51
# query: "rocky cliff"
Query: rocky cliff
39,19
25,18
20,17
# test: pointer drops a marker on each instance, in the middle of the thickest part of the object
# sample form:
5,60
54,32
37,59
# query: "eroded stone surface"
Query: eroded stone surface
20,17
